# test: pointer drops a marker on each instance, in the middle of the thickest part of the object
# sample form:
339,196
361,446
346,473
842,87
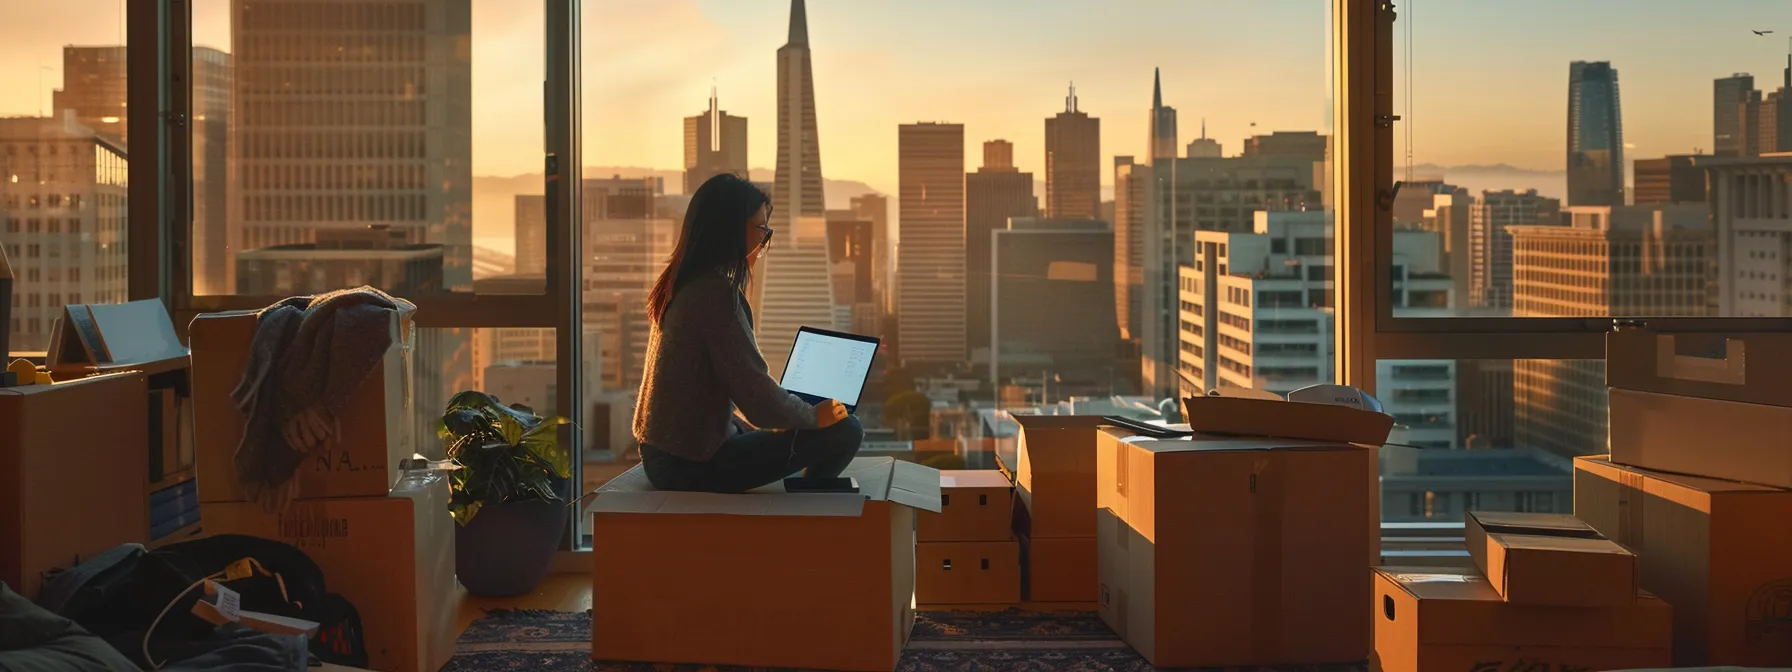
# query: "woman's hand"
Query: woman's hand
829,412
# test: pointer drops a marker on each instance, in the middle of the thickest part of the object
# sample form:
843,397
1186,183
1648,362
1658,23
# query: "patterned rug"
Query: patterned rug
942,641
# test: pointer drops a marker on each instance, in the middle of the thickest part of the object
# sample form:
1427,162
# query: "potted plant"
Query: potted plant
506,492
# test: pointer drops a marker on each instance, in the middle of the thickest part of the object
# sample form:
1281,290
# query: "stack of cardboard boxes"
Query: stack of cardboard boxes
1220,551
1550,591
389,552
1699,485
966,554
1054,512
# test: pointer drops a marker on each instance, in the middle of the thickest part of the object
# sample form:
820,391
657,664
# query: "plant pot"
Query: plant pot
505,550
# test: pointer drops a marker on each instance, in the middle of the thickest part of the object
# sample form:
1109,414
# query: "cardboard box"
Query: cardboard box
1714,549
967,572
766,578
1223,552
1429,618
74,473
1750,368
1550,559
1055,475
392,557
1059,569
1705,437
376,426
1243,416
975,505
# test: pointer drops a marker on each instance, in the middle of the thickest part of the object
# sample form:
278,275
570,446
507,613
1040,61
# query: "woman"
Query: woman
703,364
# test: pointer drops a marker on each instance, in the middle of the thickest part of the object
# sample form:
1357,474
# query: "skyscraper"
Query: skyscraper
1490,241
1073,162
931,214
1728,96
1204,147
875,208
715,142
1067,265
531,233
996,192
1749,207
1306,145
213,265
797,191
1595,135
1130,187
1163,121
95,86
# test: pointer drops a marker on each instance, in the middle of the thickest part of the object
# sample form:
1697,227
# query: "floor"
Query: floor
558,592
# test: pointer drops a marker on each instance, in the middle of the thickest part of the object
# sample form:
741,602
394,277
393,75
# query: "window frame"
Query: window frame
159,48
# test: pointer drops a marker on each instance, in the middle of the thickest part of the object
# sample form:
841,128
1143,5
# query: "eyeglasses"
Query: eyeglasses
766,243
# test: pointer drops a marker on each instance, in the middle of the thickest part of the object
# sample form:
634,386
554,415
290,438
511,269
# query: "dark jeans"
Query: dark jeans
752,459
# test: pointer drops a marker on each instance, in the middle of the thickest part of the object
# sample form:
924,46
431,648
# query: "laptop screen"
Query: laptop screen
829,365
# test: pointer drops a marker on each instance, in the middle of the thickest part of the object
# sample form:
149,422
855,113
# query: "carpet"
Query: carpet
942,641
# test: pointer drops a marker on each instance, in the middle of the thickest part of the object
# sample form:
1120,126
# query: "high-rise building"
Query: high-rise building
1073,162
322,145
1204,147
1728,96
850,250
1670,179
797,188
64,206
1130,190
1307,145
1750,202
1648,261
1068,266
875,208
1449,220
1490,241
715,142
1595,135
213,266
1163,121
95,86
531,234
992,195
798,291
626,243
931,214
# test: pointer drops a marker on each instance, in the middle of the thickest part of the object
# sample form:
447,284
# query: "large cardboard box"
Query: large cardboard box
1222,552
1272,416
392,557
1716,550
1550,559
1429,618
1054,475
376,426
762,579
967,572
1060,570
1750,368
975,505
74,473
1705,437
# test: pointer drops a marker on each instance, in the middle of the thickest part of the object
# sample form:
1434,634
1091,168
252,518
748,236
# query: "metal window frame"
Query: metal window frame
160,227
1364,175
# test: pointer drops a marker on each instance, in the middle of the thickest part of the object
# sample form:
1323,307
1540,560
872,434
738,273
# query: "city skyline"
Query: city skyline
634,114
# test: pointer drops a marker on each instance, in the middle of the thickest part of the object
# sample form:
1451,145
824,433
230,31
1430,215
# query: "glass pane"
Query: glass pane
1015,240
1564,174
1487,435
63,149
381,143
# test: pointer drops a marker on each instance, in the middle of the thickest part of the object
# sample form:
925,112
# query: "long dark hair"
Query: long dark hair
713,240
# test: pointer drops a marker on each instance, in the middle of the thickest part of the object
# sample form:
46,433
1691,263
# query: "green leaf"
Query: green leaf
463,512
511,429
544,442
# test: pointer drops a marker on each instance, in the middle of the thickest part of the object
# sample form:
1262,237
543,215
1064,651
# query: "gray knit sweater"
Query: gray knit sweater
702,364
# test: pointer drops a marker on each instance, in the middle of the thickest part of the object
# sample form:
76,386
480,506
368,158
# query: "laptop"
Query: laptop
829,365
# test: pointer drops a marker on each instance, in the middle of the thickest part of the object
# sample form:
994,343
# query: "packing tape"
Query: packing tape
1266,568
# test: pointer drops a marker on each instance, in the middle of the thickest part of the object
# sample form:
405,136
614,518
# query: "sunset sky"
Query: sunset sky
1489,77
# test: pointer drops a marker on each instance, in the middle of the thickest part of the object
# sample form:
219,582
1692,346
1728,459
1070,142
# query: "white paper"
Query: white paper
230,604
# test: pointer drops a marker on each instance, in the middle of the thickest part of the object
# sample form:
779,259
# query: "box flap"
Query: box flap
1601,465
973,478
1568,544
1058,421
1441,583
1215,444
1750,367
1549,524
1238,416
915,486
751,504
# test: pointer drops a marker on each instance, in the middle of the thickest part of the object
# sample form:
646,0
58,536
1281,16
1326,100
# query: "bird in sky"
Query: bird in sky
1763,32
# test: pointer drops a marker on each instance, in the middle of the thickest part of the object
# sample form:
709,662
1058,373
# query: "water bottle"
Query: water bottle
419,472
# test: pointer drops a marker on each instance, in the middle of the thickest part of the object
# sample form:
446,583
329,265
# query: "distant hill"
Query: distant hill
1495,177
494,197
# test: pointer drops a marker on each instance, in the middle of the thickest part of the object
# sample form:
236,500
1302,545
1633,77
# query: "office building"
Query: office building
1728,96
95,86
875,208
996,192
715,142
798,291
797,188
531,234
850,250
931,214
65,209
213,266
1649,261
1051,305
1448,219
1416,196
1439,486
1072,162
1670,179
1204,147
1131,186
626,255
1750,202
1307,145
1595,135
1490,241
1163,121
301,165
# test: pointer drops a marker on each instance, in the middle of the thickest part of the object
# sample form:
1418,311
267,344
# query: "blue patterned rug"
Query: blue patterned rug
942,641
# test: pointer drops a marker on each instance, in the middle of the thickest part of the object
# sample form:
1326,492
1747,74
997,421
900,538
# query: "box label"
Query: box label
342,460
312,531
